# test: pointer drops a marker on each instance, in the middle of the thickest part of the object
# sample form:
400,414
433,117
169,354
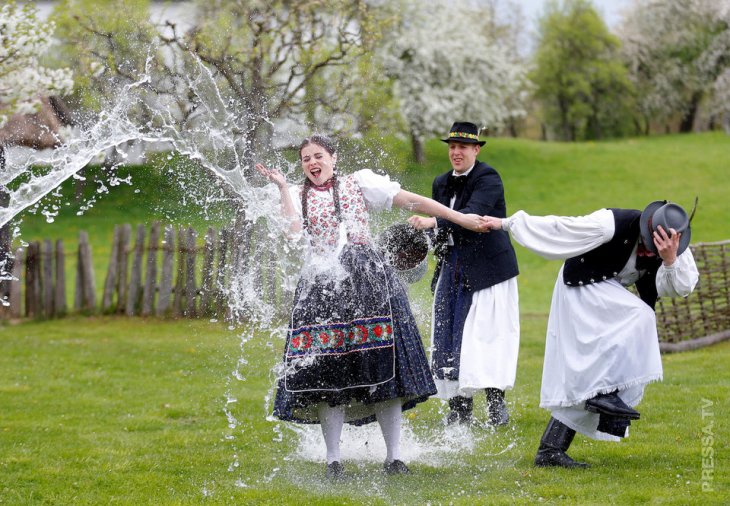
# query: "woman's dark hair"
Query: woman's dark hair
329,146
319,140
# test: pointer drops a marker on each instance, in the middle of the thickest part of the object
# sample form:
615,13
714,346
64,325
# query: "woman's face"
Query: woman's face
317,163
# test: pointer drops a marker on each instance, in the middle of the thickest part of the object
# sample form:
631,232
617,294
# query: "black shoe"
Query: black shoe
396,467
460,410
496,407
454,418
551,457
611,404
335,471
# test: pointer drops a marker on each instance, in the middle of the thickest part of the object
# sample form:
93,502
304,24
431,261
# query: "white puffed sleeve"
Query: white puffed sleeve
560,237
678,279
378,190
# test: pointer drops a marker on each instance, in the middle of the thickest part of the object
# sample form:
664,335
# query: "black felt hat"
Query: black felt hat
465,132
668,215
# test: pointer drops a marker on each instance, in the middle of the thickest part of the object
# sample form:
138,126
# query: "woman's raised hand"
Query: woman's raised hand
272,175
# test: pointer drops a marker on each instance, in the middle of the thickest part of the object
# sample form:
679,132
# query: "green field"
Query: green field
105,410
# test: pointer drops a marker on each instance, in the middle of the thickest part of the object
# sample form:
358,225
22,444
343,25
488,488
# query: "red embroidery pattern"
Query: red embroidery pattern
341,337
323,226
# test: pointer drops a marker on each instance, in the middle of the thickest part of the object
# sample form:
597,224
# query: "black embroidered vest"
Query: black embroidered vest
607,260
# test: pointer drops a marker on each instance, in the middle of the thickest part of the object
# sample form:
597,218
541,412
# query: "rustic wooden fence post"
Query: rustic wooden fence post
112,272
207,287
135,281
59,296
15,284
242,233
168,256
125,237
190,287
273,261
150,285
33,301
257,266
177,304
6,264
221,285
86,287
47,283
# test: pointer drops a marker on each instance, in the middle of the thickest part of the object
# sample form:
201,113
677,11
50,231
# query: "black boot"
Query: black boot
460,410
611,404
496,408
554,443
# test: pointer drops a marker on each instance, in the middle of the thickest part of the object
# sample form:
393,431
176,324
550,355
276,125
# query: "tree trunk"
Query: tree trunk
417,145
647,125
688,120
4,233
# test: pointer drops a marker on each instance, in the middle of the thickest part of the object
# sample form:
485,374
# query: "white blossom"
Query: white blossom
677,51
446,68
23,80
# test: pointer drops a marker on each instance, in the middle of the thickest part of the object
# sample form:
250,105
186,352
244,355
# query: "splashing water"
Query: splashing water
210,140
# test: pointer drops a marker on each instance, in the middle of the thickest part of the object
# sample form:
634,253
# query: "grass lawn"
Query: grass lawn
132,411
141,411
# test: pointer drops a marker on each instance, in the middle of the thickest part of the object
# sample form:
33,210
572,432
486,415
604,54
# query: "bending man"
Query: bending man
602,347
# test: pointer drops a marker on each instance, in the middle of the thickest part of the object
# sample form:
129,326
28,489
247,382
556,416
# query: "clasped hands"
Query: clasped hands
472,222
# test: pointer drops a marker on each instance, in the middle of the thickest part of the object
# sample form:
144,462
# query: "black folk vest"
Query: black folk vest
607,260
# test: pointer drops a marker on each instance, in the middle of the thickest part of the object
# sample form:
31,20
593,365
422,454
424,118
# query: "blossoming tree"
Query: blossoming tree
23,79
677,55
447,67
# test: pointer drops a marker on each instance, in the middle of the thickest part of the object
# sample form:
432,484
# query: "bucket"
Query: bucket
406,249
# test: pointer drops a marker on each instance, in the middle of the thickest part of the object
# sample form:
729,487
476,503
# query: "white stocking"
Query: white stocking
389,414
332,419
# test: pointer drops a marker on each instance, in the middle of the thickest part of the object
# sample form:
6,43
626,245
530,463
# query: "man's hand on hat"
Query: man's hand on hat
422,222
667,244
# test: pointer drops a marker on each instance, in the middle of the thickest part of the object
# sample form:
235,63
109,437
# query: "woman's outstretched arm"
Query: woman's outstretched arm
419,204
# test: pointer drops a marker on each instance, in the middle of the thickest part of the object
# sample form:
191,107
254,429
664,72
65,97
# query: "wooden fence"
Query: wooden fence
703,318
172,272
164,272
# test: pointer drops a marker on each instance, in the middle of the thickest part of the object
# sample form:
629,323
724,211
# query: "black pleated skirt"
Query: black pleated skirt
353,341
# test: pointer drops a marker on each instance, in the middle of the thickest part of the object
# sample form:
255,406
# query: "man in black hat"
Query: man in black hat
602,347
476,328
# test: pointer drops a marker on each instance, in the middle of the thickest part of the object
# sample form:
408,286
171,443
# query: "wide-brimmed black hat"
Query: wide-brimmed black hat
464,132
668,215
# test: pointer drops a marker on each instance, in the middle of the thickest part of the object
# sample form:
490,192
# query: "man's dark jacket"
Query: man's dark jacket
486,259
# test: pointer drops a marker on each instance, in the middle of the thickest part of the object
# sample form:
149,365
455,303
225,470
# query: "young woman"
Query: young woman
353,351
